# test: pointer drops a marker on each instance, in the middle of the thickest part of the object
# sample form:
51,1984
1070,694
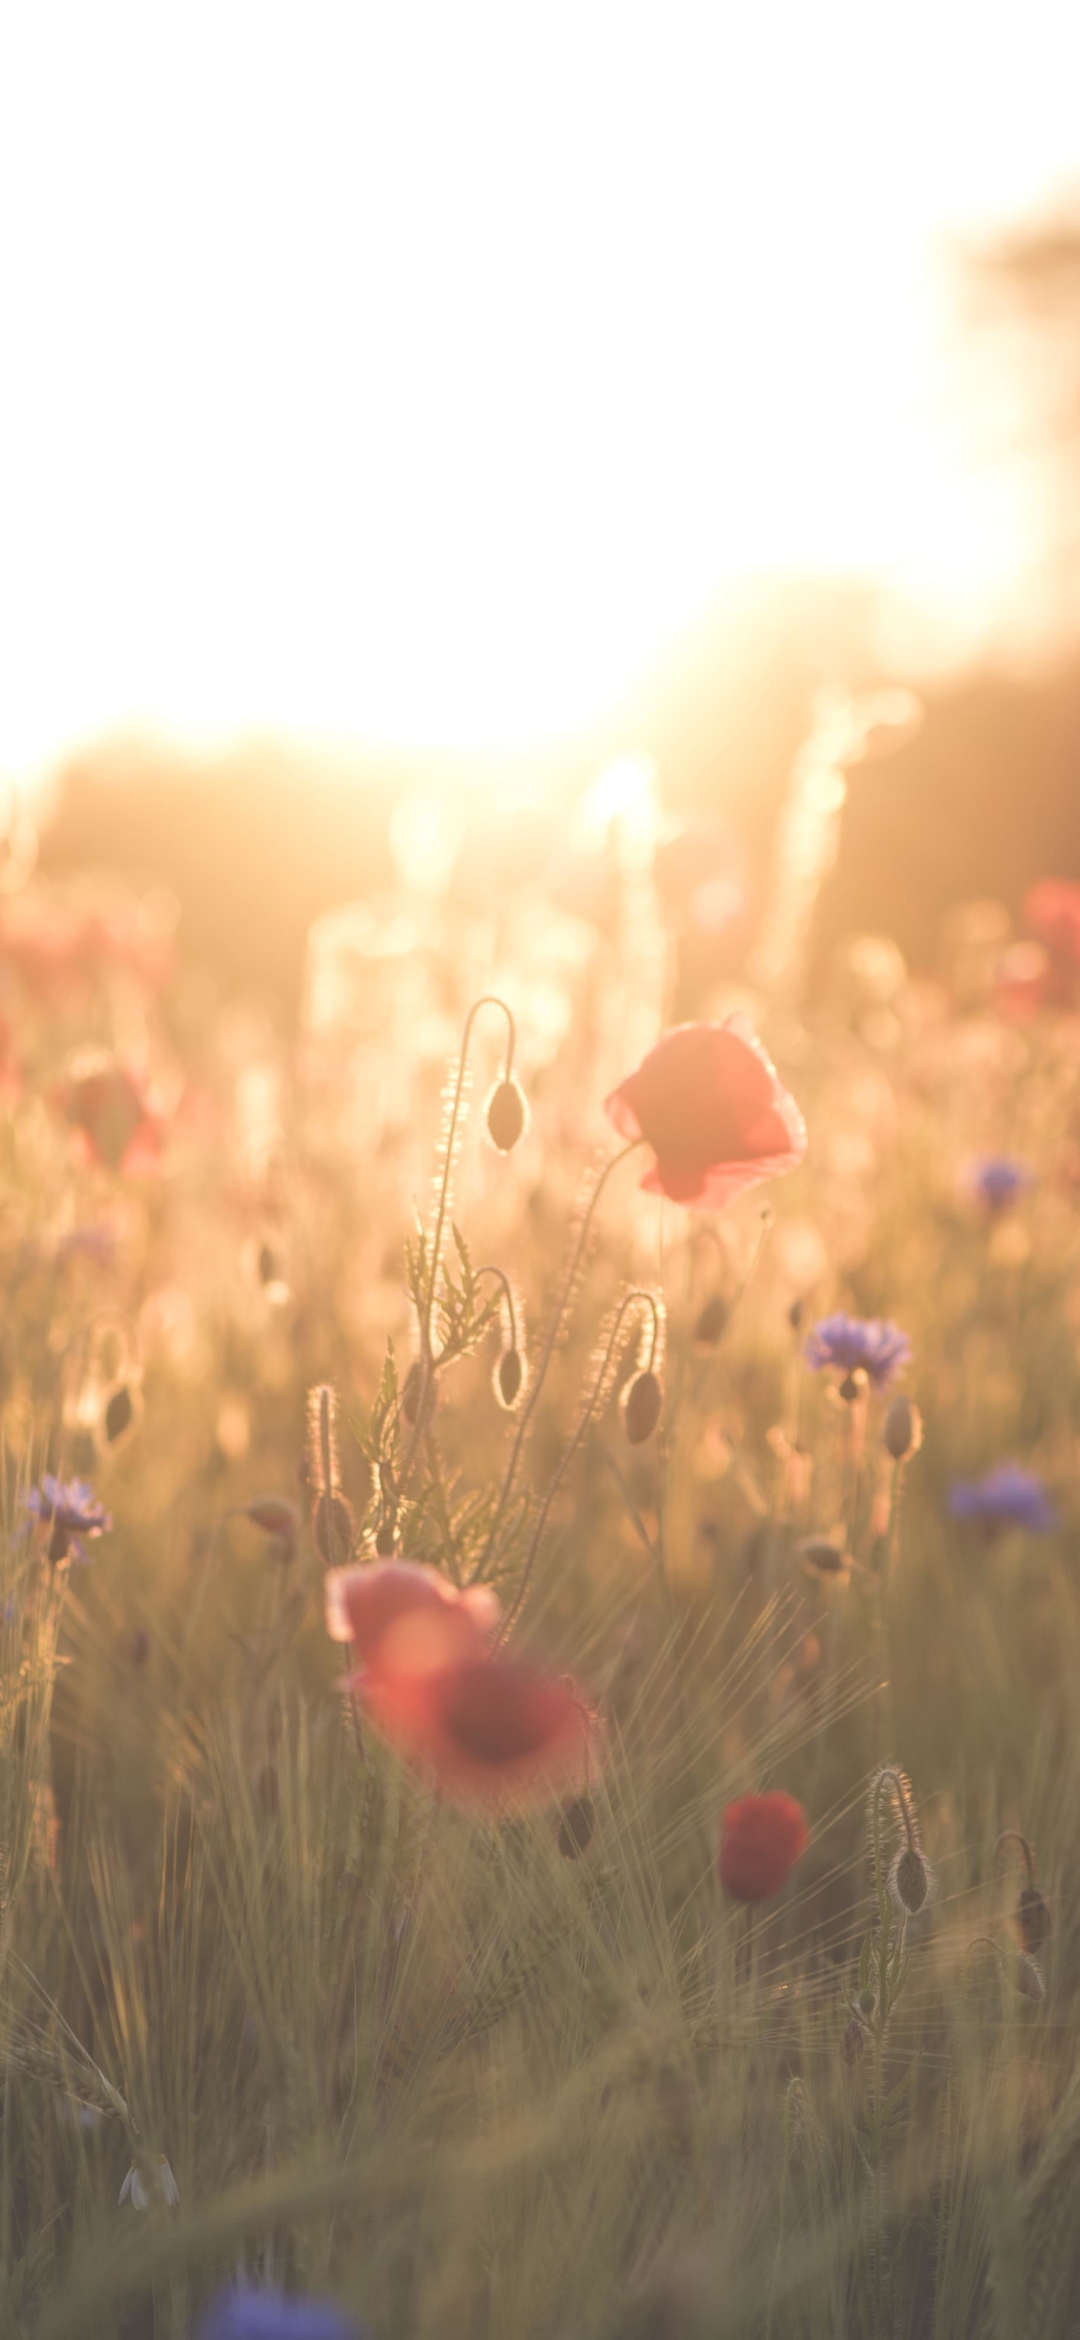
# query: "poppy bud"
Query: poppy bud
576,1827
385,1540
642,1402
509,1376
822,1557
853,1385
506,1115
853,2041
711,1322
334,1529
909,1880
903,1431
1033,1916
119,1414
866,2002
1028,1979
272,1514
414,1396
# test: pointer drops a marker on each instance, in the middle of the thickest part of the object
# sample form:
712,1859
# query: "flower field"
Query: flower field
540,1636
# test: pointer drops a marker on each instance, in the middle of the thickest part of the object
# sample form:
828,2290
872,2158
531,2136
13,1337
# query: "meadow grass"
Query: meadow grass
428,2062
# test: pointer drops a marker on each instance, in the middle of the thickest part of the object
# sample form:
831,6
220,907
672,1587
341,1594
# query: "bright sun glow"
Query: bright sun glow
413,373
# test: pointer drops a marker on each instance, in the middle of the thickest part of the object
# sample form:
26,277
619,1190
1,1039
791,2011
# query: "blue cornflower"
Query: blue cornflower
1008,1496
858,1342
247,2314
71,1512
998,1181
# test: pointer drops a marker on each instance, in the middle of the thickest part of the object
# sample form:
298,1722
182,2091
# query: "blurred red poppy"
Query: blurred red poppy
489,1730
761,1839
709,1102
108,1107
404,1616
1052,913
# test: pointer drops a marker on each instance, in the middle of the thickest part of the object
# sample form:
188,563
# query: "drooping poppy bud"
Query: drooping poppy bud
120,1413
1034,1919
903,1431
909,1880
853,2041
711,1322
761,1839
822,1557
507,1115
642,1402
577,1827
509,1378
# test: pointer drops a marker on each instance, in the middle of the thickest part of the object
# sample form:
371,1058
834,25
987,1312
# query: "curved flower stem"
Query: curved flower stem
1013,1836
891,1778
547,1353
630,1300
508,1296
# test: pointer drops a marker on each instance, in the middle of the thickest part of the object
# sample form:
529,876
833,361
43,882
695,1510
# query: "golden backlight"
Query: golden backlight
384,373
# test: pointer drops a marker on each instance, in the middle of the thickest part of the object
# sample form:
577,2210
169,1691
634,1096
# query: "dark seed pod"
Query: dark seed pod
267,1264
509,1375
577,1827
902,1433
414,1395
119,1414
1034,1918
334,1529
852,1386
507,1114
853,2041
822,1557
710,1325
909,1880
867,2002
385,1540
642,1403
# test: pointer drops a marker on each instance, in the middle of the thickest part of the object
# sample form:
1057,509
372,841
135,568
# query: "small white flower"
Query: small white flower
139,2192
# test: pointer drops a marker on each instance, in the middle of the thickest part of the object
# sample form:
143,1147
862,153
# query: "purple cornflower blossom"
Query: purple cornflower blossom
71,1512
248,2314
854,1343
997,1181
1008,1496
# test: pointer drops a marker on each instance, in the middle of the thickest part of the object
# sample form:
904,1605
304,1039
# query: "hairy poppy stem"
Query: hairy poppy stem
427,1361
548,1352
508,1296
630,1300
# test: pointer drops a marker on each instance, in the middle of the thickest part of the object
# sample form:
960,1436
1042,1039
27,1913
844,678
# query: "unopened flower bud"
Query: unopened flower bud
1028,1978
903,1429
852,1385
576,1827
334,1529
509,1376
866,2002
909,1879
507,1114
1033,1916
386,1540
642,1402
711,1322
119,1414
853,2041
822,1557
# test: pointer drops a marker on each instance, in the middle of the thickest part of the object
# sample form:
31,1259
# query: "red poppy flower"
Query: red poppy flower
1052,913
488,1730
108,1107
403,1616
761,1838
709,1102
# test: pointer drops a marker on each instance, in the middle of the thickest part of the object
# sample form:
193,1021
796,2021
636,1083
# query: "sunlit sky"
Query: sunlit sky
412,374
